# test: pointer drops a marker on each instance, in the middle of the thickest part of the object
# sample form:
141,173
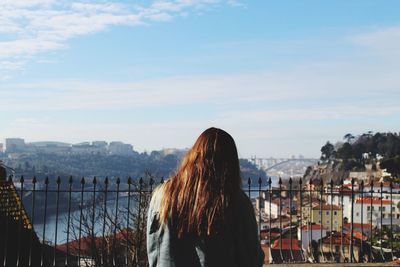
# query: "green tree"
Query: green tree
345,152
327,151
348,137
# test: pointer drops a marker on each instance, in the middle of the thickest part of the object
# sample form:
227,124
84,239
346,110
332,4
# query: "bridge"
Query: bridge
267,164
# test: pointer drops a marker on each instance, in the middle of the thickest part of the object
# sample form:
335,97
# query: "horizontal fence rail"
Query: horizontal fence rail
102,222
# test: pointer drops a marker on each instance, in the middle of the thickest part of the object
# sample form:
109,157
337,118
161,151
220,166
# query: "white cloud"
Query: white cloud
383,41
38,26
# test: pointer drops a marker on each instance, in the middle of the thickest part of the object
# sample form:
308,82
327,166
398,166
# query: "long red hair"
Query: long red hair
197,199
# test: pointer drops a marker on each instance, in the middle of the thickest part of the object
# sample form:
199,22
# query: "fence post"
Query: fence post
127,221
20,221
32,220
58,181
46,182
80,221
70,181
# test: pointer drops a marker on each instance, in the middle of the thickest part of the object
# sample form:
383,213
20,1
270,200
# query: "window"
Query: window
357,214
336,222
327,213
368,208
383,208
327,222
335,212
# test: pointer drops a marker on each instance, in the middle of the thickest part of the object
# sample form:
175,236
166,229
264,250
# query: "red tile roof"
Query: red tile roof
373,201
358,225
286,244
312,227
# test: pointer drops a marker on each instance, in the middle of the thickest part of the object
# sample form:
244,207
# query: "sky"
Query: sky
282,77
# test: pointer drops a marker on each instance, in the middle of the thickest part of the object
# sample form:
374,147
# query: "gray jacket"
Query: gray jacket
236,246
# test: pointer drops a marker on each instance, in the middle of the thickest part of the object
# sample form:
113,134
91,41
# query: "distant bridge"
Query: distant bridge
269,163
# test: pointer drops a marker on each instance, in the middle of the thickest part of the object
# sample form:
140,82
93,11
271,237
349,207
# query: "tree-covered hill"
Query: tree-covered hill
156,164
367,148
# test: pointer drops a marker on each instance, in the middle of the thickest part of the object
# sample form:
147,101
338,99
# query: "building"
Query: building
280,207
1,148
285,250
119,148
15,145
372,207
329,216
339,247
309,234
341,196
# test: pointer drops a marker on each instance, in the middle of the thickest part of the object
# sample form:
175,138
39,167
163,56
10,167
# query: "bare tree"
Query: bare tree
110,230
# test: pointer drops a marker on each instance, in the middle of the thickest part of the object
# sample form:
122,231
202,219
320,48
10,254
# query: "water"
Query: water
62,223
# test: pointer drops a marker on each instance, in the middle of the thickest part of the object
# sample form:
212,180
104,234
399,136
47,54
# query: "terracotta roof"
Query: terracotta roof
326,207
358,225
336,239
374,201
312,227
286,244
87,244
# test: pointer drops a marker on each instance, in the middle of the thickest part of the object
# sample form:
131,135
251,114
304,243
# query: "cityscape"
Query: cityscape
159,133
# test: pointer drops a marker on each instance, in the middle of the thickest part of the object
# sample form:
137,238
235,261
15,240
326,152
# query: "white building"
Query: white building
15,145
119,148
367,206
271,209
310,232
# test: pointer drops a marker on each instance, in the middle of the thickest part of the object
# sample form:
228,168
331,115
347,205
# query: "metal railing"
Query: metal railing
102,222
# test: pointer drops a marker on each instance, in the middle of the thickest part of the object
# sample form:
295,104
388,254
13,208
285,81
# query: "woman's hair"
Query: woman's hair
197,198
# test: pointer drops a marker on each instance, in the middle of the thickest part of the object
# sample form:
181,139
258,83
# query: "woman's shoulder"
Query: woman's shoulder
156,197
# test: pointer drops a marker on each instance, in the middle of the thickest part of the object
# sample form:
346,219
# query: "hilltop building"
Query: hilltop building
119,148
15,145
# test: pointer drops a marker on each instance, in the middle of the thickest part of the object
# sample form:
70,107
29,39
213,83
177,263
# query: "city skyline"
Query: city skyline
281,77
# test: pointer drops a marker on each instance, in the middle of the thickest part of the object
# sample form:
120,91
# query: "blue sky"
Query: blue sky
282,77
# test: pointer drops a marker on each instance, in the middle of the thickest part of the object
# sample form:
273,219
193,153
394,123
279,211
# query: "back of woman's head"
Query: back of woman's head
198,197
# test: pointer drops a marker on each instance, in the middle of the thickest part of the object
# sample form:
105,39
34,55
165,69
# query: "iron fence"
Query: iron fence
102,222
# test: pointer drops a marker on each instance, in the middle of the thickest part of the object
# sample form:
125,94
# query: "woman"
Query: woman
201,216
